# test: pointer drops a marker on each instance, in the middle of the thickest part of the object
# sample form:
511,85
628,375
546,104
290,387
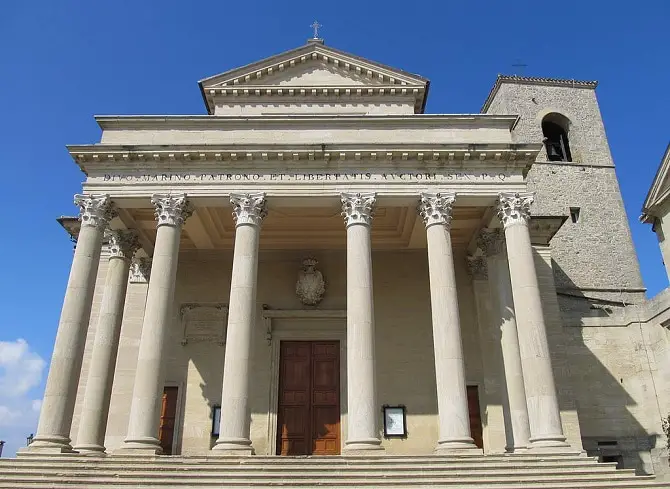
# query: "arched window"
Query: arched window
555,129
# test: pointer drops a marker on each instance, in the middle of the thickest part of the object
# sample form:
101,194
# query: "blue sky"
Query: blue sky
62,62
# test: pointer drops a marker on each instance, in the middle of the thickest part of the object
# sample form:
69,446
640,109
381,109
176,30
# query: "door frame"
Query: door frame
302,325
178,421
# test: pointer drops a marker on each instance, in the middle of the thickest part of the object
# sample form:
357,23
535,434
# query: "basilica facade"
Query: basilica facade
317,267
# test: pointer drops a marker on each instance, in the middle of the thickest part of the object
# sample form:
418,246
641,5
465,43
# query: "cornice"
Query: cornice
480,121
316,93
529,80
101,156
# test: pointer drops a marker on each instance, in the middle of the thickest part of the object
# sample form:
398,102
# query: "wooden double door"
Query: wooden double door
308,417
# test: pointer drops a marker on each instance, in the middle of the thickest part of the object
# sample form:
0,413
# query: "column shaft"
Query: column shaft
53,431
234,437
171,211
543,410
501,295
452,401
363,411
93,421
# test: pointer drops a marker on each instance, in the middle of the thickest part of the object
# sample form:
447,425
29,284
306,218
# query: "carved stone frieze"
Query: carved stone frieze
310,286
95,210
204,322
122,244
358,208
171,209
436,208
249,208
140,270
491,241
514,208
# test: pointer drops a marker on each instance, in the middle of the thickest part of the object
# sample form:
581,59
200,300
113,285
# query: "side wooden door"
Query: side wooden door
308,419
168,419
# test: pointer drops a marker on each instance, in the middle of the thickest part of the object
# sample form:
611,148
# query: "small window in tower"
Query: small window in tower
574,214
555,131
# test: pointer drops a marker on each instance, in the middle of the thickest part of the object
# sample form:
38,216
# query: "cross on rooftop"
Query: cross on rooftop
520,65
316,27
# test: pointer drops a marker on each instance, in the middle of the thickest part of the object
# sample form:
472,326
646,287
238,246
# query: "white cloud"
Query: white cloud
20,368
21,372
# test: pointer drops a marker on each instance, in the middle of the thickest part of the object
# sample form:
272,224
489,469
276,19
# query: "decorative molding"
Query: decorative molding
514,208
140,270
171,210
144,157
122,244
204,322
436,208
249,208
358,208
310,286
477,268
295,314
491,241
96,210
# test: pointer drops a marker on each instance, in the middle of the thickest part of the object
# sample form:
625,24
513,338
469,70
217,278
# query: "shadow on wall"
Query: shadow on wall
598,374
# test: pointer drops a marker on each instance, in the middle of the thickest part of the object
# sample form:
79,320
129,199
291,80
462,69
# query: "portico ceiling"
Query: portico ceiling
308,228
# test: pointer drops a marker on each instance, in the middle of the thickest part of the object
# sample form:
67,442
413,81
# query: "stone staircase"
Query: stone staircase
474,472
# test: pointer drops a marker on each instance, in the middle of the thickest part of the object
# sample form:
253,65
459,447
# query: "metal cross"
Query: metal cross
520,65
316,26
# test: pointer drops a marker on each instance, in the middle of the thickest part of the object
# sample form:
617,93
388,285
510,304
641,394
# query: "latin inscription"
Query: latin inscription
306,177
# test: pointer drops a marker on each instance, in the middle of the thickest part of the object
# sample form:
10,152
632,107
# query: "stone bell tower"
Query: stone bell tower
594,261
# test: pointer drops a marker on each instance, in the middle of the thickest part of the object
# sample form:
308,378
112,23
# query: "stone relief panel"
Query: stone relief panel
204,322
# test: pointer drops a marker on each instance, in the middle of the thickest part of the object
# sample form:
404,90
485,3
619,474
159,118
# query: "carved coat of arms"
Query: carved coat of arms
310,286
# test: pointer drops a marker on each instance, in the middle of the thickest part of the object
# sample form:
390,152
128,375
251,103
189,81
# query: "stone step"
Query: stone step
299,474
474,483
479,472
113,463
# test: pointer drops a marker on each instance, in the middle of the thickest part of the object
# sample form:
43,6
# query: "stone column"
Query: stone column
249,210
93,423
452,400
53,430
171,212
363,411
543,412
492,242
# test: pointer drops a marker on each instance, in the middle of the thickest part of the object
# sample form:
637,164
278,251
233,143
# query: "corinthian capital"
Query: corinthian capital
140,269
171,210
491,241
249,208
95,210
358,208
122,244
514,208
477,268
436,208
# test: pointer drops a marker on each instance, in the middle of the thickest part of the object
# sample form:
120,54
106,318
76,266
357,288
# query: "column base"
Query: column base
458,446
367,446
148,446
549,444
90,450
54,445
233,447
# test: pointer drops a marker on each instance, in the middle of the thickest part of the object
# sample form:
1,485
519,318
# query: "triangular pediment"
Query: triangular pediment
314,66
660,188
